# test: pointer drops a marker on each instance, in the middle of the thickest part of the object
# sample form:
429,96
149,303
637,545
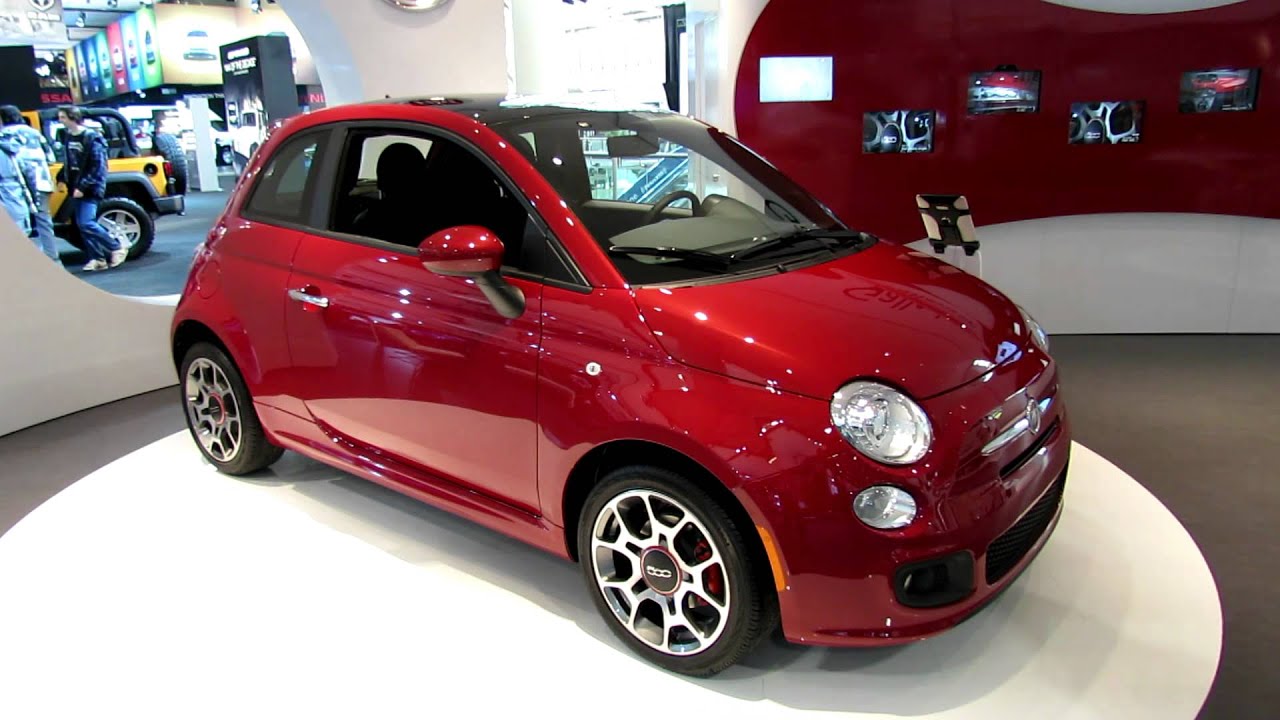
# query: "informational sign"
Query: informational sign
190,36
27,21
258,83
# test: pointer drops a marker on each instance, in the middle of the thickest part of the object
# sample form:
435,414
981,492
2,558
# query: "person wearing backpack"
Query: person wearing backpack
86,178
34,150
16,180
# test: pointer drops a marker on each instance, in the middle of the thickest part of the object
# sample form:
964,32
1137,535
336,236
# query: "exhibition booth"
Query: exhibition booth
1102,163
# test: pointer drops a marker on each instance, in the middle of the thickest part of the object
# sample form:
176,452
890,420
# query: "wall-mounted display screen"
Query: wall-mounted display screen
796,79
1004,92
1106,123
898,131
1222,89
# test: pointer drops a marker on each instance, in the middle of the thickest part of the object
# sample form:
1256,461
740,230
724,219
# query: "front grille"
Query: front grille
1008,550
1025,456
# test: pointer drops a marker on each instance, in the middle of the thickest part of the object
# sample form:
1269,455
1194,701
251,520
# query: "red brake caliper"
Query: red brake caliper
714,576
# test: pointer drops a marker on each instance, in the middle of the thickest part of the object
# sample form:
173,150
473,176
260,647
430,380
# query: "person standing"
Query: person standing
15,182
34,151
86,175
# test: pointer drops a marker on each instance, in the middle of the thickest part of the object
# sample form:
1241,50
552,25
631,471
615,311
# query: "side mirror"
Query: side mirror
471,251
465,250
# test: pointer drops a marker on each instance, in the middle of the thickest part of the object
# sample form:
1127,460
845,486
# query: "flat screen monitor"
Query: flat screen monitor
1218,90
1112,122
898,131
796,79
1004,92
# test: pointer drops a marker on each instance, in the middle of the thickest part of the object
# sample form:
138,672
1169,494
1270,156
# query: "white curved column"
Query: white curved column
368,49
1136,272
66,345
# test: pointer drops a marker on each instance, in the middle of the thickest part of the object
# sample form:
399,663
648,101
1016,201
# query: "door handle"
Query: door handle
309,298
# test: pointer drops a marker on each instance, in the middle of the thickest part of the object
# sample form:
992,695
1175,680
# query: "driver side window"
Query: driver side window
400,187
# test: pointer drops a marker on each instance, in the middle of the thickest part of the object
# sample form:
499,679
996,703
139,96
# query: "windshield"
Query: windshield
648,183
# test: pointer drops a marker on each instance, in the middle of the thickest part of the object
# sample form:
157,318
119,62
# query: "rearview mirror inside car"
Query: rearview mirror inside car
622,146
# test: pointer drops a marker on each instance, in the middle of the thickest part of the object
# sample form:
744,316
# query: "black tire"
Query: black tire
226,156
255,450
752,608
146,225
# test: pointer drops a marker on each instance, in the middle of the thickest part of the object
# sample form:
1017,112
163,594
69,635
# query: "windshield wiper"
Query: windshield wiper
842,238
697,257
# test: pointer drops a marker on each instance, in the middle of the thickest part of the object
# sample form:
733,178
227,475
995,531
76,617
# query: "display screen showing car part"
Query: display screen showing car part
1219,90
1106,123
795,79
1004,92
898,131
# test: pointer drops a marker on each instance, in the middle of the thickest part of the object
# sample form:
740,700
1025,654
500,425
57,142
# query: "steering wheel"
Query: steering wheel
656,211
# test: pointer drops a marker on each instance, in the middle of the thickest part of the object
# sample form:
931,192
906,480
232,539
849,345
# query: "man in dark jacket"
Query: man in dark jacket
86,177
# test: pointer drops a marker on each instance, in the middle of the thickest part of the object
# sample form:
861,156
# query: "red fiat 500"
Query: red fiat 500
624,338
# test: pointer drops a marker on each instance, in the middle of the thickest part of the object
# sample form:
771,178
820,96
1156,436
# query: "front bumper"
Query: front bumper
171,205
983,519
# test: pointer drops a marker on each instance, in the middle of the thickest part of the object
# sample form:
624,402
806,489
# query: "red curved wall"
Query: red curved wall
918,54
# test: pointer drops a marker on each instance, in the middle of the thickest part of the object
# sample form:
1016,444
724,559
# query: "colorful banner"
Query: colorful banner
175,45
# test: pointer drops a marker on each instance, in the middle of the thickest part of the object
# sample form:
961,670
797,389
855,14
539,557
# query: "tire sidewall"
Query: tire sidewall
746,597
146,226
240,463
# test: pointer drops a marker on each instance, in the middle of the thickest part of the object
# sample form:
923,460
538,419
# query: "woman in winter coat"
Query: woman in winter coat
16,181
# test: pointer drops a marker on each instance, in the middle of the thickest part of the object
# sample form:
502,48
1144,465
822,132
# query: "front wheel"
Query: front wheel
670,572
220,413
129,222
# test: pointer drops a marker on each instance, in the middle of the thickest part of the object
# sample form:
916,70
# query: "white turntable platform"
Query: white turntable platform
157,588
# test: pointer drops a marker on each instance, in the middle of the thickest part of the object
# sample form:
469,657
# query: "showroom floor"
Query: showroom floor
1191,417
163,270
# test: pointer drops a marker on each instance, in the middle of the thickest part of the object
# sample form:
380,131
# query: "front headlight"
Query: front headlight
881,423
1038,335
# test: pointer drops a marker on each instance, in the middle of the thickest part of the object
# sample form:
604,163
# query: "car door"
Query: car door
255,250
415,366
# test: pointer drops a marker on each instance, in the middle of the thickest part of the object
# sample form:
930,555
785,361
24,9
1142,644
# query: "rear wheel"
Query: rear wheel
670,573
127,221
220,413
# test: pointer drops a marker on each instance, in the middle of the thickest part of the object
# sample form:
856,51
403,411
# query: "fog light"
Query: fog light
885,507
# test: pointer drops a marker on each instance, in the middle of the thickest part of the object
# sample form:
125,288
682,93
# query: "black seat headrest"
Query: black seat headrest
400,168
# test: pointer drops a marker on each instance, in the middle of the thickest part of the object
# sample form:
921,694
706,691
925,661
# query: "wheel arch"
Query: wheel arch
607,457
190,332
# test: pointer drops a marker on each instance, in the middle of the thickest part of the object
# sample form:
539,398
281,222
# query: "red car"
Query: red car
729,408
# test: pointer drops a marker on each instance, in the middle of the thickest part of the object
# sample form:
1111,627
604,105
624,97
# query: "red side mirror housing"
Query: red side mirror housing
466,250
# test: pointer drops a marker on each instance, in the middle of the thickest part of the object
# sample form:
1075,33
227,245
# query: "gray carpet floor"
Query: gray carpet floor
1190,417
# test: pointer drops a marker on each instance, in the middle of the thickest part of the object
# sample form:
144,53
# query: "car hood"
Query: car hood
886,312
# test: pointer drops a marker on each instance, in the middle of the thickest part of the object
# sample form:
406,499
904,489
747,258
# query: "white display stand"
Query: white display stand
157,588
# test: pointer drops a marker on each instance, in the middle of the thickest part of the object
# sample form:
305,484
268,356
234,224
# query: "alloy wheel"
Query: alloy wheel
122,226
213,410
660,572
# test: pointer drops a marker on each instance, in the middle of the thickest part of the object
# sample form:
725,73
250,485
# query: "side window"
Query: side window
400,188
280,193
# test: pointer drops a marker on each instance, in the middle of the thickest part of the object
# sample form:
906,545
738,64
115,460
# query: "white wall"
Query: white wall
1137,272
366,50
65,345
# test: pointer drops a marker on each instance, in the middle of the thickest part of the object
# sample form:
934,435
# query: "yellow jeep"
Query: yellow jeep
139,188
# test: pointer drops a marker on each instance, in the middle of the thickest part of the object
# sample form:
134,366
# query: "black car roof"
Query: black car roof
495,109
